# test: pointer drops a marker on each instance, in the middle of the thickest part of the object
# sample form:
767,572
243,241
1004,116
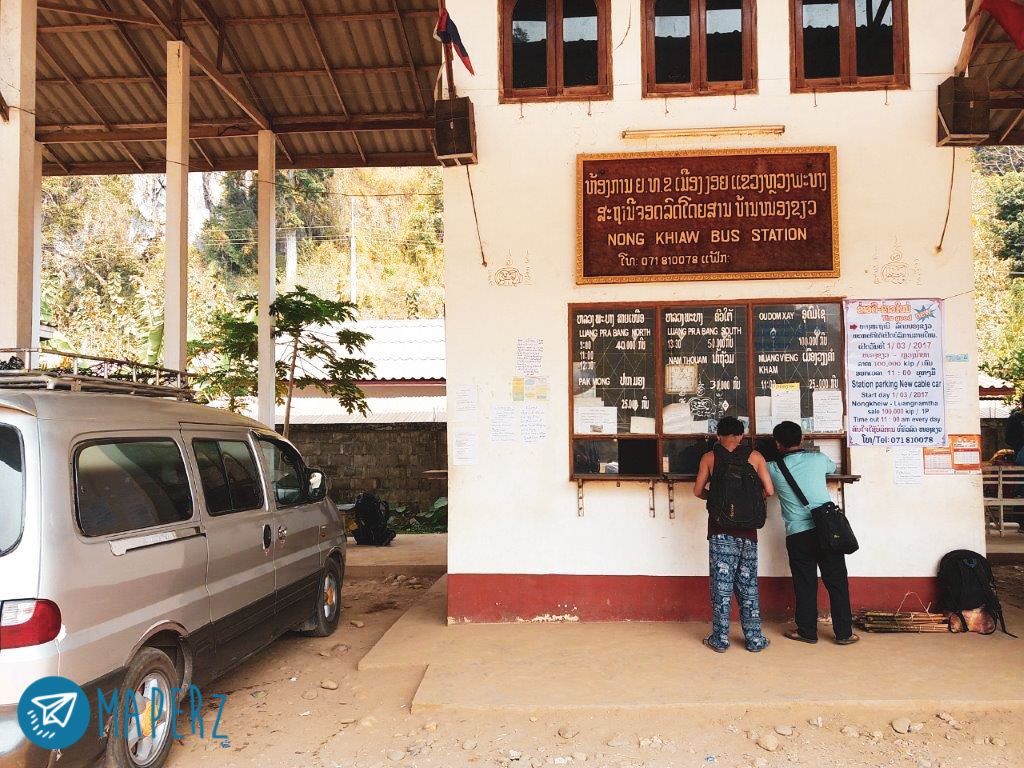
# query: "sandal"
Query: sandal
848,640
794,634
715,648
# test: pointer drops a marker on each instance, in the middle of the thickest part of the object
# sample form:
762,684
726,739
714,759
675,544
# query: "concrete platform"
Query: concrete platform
573,666
1007,549
419,554
640,665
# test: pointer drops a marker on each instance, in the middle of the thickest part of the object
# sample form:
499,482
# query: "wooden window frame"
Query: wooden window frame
660,436
555,90
848,79
699,85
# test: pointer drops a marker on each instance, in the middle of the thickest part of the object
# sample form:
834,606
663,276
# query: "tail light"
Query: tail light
28,622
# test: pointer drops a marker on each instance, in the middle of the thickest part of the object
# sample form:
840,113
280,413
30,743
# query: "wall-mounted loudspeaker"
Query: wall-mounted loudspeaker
963,112
454,131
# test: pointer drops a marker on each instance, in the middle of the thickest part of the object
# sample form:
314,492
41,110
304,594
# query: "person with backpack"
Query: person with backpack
806,557
734,481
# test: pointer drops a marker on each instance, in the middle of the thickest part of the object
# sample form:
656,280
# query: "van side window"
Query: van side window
228,474
126,485
286,473
12,489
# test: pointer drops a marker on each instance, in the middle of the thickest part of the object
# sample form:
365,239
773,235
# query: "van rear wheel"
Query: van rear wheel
328,602
143,738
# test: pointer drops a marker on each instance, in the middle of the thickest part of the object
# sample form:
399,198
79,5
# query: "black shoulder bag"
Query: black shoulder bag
834,531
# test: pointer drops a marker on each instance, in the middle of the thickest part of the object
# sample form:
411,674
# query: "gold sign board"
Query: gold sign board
707,215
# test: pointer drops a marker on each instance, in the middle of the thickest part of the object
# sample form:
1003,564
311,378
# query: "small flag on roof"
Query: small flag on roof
1010,16
447,33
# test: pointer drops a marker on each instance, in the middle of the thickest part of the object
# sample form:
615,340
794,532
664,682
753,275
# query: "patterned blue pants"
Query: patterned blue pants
733,569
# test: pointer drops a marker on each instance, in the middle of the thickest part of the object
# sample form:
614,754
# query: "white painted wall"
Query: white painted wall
514,511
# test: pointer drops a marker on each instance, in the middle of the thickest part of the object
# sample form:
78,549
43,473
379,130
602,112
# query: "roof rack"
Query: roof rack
56,370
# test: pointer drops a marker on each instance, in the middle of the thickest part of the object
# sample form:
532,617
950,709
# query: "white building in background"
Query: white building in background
632,178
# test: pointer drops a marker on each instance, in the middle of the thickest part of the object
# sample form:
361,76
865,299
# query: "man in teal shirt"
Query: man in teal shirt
806,557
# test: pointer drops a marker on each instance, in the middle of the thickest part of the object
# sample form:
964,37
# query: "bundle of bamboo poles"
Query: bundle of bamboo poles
908,621
903,621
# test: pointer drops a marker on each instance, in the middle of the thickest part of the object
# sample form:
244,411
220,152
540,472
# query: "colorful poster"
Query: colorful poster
894,383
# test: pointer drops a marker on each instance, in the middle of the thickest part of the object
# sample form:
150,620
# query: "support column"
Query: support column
18,190
267,272
37,244
176,268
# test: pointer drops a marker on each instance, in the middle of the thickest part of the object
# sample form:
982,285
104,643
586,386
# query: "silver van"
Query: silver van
147,545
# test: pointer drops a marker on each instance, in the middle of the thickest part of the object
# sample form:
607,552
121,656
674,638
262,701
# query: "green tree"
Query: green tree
312,352
1007,191
102,277
998,293
229,235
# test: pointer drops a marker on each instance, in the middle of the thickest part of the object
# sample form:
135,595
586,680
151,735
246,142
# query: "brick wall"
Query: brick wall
387,459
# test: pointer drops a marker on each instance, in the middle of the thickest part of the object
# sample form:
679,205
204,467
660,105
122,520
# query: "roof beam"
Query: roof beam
106,134
224,44
252,74
327,66
407,56
247,163
974,31
254,21
94,13
242,100
81,95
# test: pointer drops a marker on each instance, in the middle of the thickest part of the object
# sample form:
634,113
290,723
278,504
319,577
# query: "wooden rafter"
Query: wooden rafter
311,22
976,29
224,130
243,101
245,163
407,56
224,45
253,74
85,100
95,13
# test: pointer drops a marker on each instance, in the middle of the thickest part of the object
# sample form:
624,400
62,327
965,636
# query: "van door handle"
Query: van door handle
268,540
282,534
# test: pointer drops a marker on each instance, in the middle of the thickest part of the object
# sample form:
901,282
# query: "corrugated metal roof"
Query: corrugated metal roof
383,410
102,67
401,350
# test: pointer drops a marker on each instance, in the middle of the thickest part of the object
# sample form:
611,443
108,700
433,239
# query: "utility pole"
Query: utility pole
352,250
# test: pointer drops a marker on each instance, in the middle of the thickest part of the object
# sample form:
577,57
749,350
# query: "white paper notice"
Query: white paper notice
529,356
596,420
763,409
533,423
956,390
465,403
828,410
785,403
894,384
641,425
503,424
908,466
465,451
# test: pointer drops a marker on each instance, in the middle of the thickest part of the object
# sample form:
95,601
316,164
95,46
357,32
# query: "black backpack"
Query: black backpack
372,515
965,583
736,495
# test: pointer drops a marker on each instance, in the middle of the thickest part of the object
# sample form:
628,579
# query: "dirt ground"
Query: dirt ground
302,703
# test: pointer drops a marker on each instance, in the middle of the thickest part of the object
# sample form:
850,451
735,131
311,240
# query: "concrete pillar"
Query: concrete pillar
37,243
176,269
18,190
266,228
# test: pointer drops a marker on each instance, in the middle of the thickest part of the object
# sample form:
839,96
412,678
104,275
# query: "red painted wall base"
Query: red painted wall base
496,597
